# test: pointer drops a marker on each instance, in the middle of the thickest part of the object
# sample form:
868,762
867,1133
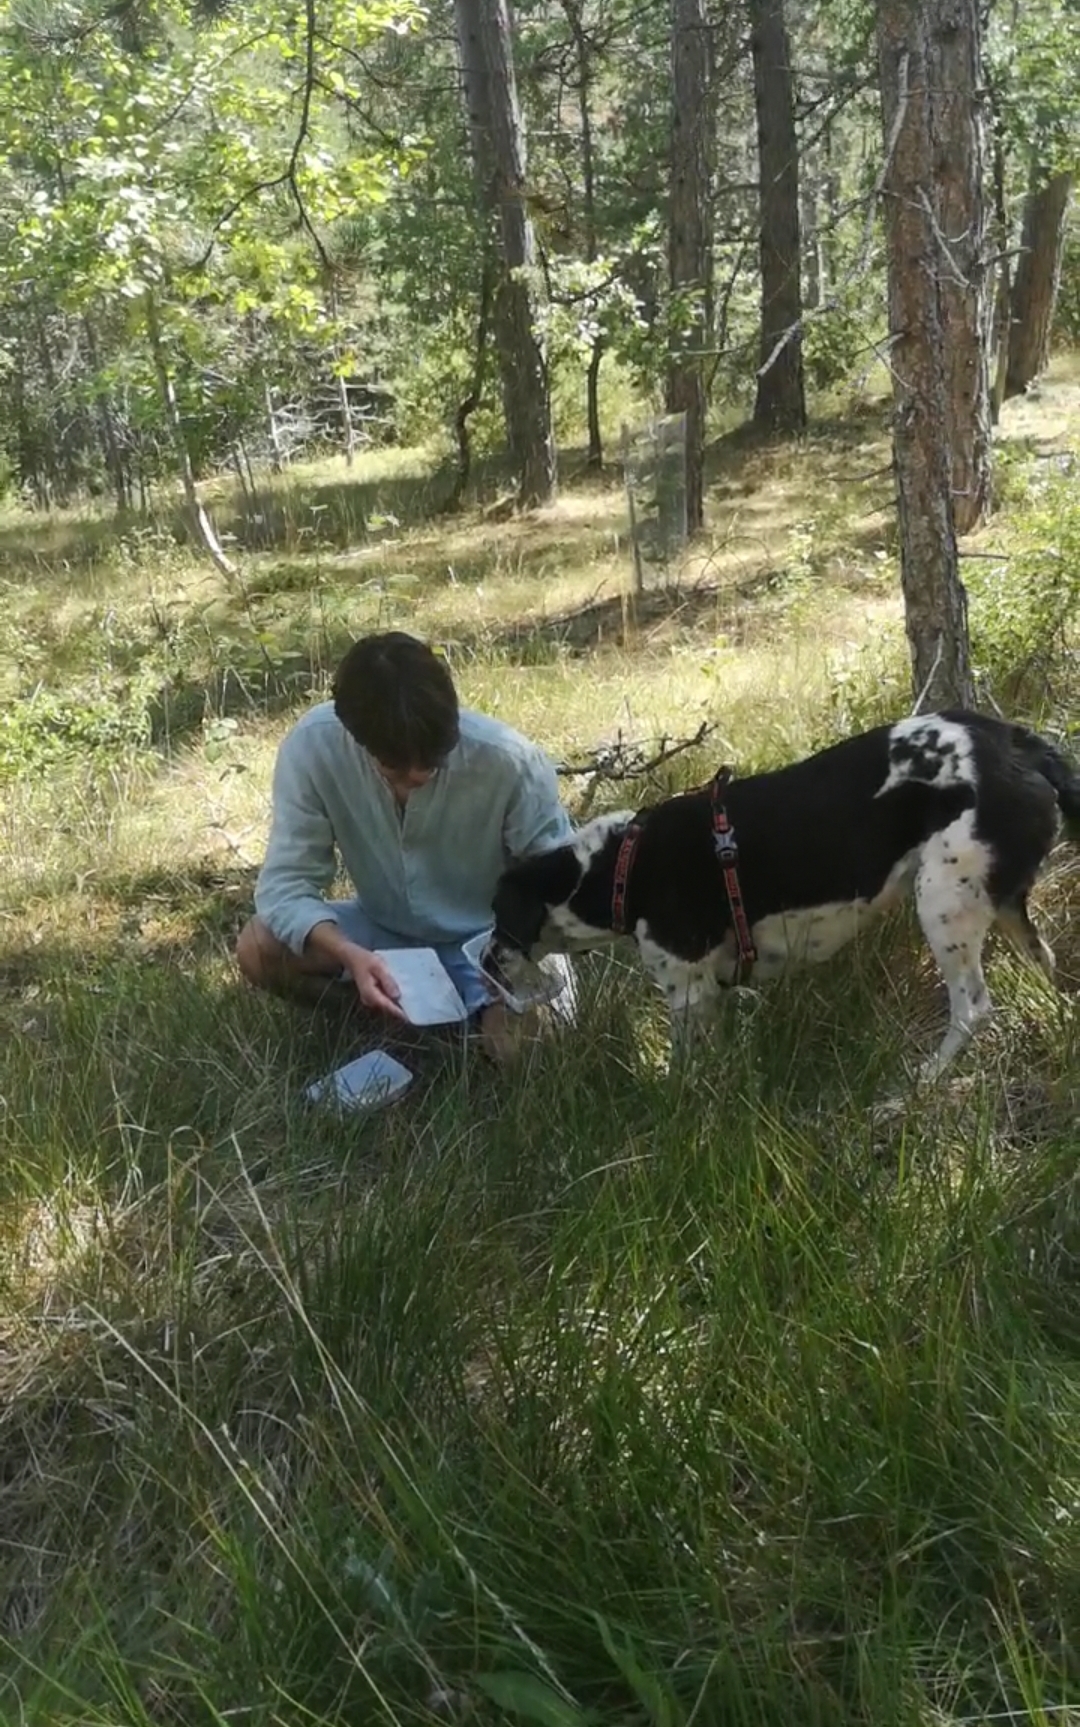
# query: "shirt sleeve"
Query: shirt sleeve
300,862
535,818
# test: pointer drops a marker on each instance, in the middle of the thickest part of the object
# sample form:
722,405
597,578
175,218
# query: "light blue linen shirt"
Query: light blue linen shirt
427,871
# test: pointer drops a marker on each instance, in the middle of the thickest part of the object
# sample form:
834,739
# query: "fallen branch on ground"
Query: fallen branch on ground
622,760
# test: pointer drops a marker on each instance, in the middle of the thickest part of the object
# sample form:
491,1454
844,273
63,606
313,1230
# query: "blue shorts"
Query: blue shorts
355,923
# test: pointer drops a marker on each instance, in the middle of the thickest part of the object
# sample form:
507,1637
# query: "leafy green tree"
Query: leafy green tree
191,171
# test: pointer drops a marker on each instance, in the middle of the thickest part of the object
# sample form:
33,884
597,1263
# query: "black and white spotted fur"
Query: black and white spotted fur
957,807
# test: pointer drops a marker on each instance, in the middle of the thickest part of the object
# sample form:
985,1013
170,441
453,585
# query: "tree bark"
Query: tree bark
58,463
201,526
28,439
110,443
277,460
690,234
780,405
813,289
573,11
344,404
498,145
1038,274
957,191
999,337
935,604
469,404
595,460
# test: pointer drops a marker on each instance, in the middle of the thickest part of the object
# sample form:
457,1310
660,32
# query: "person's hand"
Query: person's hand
374,983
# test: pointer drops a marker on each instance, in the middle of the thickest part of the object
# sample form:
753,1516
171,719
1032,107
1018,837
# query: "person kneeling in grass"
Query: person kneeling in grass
426,803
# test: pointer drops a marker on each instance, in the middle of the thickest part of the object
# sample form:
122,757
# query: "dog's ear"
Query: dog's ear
528,889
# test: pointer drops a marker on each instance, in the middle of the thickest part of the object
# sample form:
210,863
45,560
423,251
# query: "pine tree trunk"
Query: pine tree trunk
1038,273
498,146
468,406
690,236
595,459
59,458
573,10
21,408
999,339
810,236
957,192
110,444
830,191
201,526
934,600
780,405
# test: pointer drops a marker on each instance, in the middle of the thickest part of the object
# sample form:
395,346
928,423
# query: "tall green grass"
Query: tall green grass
567,1396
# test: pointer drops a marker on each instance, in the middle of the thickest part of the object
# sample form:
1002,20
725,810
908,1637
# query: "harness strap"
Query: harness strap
727,853
622,875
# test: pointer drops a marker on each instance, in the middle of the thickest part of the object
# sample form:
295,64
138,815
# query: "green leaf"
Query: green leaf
532,1699
663,1711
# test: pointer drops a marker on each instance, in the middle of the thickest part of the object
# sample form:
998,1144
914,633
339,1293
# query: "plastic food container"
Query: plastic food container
551,979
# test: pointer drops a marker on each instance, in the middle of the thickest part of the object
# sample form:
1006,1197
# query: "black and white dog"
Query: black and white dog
744,881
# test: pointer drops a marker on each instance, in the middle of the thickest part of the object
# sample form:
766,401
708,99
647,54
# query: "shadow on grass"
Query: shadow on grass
301,514
150,1038
308,514
297,665
147,1051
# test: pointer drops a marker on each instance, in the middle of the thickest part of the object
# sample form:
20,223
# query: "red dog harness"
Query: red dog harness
622,875
727,853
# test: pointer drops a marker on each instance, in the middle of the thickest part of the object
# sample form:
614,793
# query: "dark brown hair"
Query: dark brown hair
397,698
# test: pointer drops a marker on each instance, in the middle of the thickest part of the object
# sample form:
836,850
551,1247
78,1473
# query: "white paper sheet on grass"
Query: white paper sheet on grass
366,1083
428,995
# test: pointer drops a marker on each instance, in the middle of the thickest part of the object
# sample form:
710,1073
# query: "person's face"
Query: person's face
402,781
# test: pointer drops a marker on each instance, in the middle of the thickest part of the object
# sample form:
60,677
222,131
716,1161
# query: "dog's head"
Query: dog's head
552,903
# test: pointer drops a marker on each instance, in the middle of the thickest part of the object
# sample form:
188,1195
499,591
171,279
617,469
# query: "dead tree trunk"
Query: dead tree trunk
201,526
690,234
1038,274
277,458
348,430
345,406
935,605
781,398
958,197
498,146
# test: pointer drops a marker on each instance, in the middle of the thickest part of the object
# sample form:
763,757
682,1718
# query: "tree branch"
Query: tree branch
289,176
621,760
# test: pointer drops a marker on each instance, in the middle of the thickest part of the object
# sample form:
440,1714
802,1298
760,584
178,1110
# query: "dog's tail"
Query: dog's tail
1046,759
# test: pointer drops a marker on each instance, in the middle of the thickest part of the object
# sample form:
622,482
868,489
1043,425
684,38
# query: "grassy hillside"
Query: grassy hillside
564,1396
